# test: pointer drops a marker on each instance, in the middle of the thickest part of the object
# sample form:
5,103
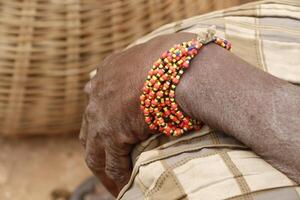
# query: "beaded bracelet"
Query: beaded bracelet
158,103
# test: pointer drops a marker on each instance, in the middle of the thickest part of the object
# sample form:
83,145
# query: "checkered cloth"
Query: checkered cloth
209,164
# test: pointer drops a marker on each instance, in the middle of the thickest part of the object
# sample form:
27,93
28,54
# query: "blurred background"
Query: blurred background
47,50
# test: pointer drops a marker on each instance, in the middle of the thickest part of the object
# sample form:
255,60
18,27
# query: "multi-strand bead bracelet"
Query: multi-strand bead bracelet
158,103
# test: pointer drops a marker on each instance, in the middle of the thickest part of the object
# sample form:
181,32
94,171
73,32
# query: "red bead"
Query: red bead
185,126
168,102
175,80
160,94
151,110
160,72
185,121
194,52
164,54
174,119
157,63
154,102
150,73
162,104
151,94
166,86
185,64
167,112
142,97
173,112
152,126
148,120
152,81
161,129
173,69
181,125
147,102
179,114
157,85
174,106
167,131
146,111
160,120
146,89
165,77
177,131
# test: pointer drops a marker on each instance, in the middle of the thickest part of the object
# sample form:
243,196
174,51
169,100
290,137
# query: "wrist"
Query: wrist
195,93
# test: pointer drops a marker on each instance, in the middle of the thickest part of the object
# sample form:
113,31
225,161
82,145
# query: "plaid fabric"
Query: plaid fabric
208,164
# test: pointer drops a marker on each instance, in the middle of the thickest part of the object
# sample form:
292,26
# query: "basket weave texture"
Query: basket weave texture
48,48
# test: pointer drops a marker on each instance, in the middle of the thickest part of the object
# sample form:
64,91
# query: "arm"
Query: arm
258,109
219,89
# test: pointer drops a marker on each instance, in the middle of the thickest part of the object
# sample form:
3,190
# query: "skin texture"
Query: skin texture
255,107
219,89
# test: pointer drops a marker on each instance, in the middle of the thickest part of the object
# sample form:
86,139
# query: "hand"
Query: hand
113,122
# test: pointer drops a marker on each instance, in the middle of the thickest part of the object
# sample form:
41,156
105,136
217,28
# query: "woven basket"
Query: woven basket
48,48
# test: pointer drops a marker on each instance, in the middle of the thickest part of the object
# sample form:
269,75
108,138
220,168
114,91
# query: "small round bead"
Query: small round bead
172,94
160,94
186,64
175,80
152,126
148,120
154,102
164,54
142,97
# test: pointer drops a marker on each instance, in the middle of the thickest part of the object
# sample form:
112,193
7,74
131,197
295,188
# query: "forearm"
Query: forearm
256,108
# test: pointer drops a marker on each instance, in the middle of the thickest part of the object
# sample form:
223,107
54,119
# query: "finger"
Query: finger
118,165
95,160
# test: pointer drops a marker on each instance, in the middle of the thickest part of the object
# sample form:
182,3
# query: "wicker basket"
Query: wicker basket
48,48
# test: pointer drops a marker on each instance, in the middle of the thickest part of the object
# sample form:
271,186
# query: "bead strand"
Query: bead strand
158,103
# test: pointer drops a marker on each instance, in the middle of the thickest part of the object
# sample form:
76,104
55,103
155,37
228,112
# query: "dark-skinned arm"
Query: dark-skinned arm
253,106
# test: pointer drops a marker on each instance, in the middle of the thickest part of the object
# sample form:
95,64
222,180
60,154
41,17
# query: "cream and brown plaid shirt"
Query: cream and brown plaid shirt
208,164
